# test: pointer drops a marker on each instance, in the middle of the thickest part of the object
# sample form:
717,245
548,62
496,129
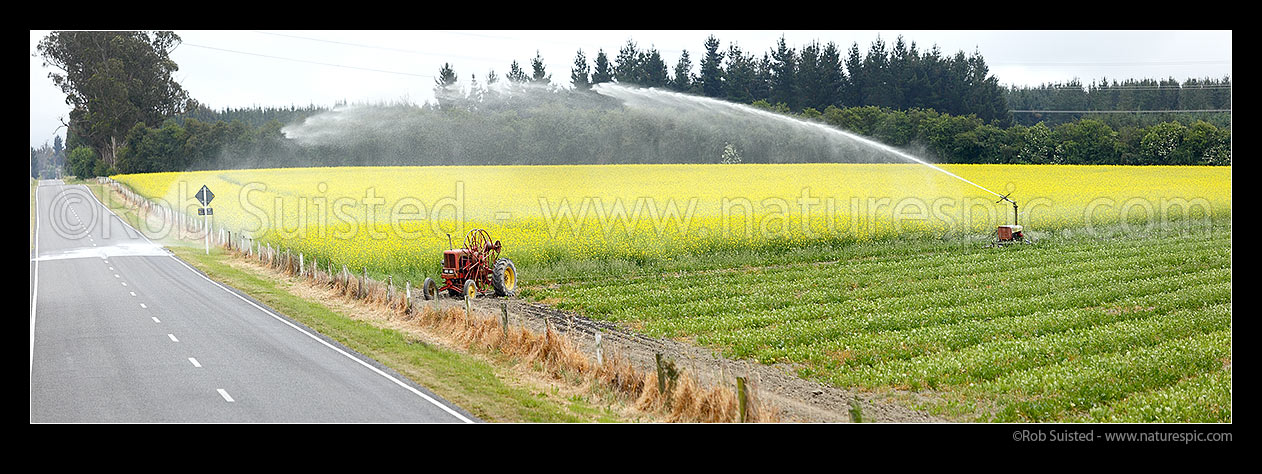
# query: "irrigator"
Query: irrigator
655,99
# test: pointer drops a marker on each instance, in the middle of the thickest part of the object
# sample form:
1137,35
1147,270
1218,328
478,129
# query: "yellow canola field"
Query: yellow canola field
394,219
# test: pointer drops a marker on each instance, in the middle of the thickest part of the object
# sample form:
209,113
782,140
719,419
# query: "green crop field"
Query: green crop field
1125,328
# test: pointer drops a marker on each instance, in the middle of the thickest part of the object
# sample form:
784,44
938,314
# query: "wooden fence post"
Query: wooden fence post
600,359
467,312
504,318
661,376
407,296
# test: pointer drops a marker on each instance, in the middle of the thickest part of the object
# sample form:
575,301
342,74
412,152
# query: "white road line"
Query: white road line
111,269
155,319
194,361
34,282
398,382
124,283
173,339
115,275
142,305
132,293
224,394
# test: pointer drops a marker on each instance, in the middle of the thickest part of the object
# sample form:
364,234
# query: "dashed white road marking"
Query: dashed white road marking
156,320
194,361
173,339
418,393
225,395
142,305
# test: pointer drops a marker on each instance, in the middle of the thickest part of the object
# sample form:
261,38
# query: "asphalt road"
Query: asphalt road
122,331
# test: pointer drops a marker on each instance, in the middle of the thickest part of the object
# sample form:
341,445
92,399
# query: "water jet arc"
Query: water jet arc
637,97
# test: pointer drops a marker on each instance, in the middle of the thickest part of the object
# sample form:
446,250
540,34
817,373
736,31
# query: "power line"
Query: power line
444,56
1116,63
1108,88
358,45
310,62
382,48
1120,111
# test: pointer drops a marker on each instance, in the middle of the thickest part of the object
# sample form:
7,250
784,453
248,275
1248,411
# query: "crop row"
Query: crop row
1202,398
1048,393
924,327
998,356
819,291
991,324
905,257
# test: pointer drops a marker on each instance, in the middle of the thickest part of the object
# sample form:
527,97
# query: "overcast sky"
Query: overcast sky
281,68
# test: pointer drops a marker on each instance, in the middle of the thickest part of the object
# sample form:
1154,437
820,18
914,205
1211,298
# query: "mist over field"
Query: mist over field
609,125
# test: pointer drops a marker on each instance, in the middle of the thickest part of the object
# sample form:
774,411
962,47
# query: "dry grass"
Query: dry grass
549,352
684,399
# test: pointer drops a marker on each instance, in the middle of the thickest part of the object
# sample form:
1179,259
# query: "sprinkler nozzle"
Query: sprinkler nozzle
1014,206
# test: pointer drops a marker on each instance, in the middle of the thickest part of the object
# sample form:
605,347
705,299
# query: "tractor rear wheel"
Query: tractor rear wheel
504,277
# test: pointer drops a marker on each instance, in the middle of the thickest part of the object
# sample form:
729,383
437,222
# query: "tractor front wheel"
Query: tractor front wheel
429,290
504,278
470,290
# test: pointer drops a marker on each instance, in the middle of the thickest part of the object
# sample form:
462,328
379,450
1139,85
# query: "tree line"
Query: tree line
1053,104
816,76
47,161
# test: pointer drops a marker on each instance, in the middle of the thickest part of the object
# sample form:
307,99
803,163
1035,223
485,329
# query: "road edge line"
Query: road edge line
398,382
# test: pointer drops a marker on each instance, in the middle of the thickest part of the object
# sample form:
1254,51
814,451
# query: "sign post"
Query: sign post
204,196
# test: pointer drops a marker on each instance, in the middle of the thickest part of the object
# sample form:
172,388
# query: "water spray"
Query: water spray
655,99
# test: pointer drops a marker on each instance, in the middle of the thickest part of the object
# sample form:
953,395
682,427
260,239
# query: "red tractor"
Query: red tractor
476,269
